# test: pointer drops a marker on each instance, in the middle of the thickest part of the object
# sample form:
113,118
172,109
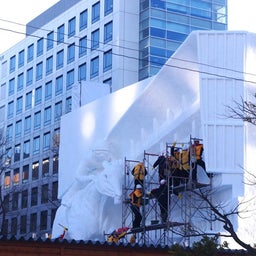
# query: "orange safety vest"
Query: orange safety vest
185,159
136,197
198,151
139,171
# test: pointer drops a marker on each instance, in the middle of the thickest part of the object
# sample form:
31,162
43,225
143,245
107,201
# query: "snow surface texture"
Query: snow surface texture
187,97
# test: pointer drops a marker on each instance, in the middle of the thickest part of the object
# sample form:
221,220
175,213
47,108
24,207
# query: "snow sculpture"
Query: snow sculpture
93,203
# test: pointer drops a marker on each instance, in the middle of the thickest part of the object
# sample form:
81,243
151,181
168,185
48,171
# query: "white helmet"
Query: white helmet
138,186
163,181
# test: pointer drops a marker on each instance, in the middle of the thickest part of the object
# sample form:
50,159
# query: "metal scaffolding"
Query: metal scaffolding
177,228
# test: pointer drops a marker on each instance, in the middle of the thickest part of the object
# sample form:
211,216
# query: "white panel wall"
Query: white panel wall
221,81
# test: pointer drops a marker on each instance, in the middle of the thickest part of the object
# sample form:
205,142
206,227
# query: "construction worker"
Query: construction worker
136,201
65,229
116,235
163,167
197,150
139,172
161,194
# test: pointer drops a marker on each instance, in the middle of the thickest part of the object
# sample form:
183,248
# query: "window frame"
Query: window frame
72,27
95,12
83,20
60,34
94,71
95,39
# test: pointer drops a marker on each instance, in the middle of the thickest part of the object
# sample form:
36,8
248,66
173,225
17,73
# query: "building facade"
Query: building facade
73,42
164,25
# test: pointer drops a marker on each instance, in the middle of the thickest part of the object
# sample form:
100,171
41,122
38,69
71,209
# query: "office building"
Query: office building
72,43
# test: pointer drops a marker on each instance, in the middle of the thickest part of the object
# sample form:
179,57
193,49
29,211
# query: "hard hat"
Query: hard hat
162,182
138,186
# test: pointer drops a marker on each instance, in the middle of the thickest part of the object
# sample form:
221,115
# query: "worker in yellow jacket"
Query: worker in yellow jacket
136,201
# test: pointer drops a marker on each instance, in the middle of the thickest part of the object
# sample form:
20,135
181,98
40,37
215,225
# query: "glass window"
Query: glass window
72,27
59,85
45,168
28,104
19,105
94,67
10,109
60,34
9,153
6,204
172,26
158,32
95,39
25,173
36,145
12,63
157,61
60,59
58,110
158,51
108,32
15,201
48,90
107,60
38,95
29,76
46,141
82,72
70,79
44,198
83,20
40,46
96,12
34,196
49,65
47,115
108,7
71,53
7,179
11,87
54,190
24,199
17,153
158,4
37,120
27,125
20,82
23,224
158,42
9,132
176,36
16,176
30,53
55,166
18,127
33,222
157,23
21,58
6,222
26,149
50,39
35,171
56,142
83,46
39,71
14,222
43,220
68,105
